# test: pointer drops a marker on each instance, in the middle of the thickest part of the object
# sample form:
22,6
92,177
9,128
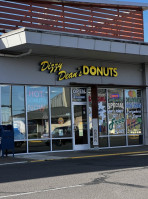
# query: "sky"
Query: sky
145,17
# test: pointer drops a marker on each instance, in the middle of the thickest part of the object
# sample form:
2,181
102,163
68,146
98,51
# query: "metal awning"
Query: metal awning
73,46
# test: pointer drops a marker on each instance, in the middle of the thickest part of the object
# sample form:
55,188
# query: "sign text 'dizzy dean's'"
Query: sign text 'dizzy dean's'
83,70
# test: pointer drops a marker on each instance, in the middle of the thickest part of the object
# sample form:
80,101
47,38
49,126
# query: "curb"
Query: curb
93,156
77,157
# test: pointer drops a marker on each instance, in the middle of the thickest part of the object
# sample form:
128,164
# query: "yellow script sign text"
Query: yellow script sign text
83,70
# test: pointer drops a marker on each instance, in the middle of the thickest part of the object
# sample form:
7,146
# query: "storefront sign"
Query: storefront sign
83,70
116,122
115,96
37,99
100,99
132,123
79,91
79,94
115,105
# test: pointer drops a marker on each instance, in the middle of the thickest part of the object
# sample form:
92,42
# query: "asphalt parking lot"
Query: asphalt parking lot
112,173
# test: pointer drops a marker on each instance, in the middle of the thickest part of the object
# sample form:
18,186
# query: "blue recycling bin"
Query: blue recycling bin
6,139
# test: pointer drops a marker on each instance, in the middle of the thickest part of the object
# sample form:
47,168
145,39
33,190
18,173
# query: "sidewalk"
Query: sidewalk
23,158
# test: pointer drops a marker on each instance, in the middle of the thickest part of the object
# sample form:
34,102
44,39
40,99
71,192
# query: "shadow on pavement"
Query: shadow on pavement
55,168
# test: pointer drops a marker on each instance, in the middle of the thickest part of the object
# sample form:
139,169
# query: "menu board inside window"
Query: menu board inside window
133,111
79,94
116,113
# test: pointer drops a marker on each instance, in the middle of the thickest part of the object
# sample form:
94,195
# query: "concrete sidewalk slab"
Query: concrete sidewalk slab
41,156
11,160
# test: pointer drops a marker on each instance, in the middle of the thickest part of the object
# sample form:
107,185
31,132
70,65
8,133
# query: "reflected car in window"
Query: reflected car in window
64,131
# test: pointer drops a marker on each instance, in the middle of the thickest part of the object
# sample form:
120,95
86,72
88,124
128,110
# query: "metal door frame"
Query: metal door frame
81,146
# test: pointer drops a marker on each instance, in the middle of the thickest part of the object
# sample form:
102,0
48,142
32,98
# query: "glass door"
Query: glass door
80,128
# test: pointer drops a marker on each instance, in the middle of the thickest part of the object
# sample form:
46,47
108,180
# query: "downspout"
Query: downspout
16,56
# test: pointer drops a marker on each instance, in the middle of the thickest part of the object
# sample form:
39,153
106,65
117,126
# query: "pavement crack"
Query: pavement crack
105,177
97,181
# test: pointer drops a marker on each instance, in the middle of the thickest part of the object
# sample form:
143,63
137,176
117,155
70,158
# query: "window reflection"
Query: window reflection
37,112
6,104
18,112
39,145
103,142
135,139
61,144
20,147
117,141
60,112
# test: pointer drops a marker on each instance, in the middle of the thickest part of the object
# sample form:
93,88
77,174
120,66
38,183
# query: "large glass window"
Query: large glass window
39,145
116,113
102,113
135,139
61,144
60,112
20,146
119,116
37,112
13,112
117,141
18,113
133,111
6,104
103,142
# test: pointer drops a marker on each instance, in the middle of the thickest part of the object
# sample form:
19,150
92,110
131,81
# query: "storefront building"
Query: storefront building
63,90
